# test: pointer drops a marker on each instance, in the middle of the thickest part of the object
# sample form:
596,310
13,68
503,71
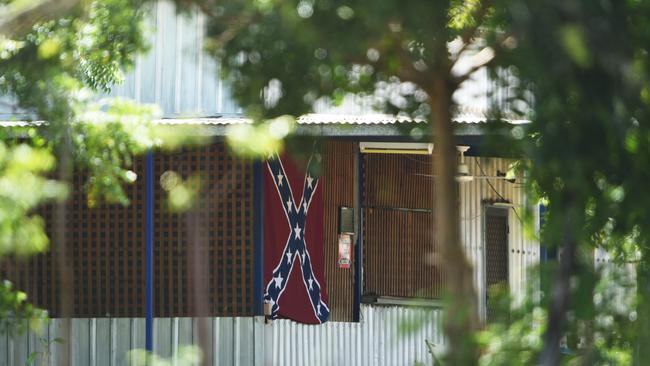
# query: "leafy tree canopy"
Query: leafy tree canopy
579,69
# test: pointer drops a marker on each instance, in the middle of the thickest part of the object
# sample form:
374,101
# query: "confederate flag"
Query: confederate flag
293,241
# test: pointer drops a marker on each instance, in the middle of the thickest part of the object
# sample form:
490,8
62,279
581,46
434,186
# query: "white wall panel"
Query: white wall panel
381,338
176,73
523,247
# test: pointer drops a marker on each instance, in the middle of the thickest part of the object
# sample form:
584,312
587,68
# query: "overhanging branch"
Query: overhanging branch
18,17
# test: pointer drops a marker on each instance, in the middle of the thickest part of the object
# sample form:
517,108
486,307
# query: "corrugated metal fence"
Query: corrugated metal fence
385,336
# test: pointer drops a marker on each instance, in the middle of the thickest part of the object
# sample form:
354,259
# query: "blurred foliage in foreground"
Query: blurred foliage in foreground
581,68
52,73
578,69
600,328
186,356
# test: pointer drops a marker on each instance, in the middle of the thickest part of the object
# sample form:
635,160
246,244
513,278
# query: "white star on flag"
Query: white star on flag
305,206
288,205
289,255
311,281
297,230
278,281
280,177
309,181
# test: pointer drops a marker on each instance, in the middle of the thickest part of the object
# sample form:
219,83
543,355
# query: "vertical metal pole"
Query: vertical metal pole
149,251
358,258
258,238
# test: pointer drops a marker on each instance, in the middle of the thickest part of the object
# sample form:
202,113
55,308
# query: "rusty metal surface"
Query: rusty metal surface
398,181
399,251
399,245
338,190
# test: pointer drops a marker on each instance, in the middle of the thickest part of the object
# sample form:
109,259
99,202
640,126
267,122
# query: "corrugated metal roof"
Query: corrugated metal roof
334,125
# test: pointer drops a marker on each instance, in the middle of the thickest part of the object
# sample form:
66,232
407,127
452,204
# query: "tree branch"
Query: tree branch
560,296
470,33
19,17
479,60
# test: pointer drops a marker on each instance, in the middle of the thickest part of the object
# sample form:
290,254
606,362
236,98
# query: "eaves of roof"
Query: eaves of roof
335,125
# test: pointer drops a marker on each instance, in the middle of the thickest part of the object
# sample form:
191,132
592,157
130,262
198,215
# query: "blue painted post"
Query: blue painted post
149,252
358,259
258,238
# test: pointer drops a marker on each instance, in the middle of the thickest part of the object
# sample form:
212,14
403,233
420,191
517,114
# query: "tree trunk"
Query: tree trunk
642,351
65,275
198,266
461,319
560,295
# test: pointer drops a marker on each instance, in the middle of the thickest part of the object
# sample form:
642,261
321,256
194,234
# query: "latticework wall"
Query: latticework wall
220,230
107,246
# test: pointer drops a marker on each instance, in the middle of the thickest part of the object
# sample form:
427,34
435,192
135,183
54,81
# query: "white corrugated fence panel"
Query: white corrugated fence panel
386,335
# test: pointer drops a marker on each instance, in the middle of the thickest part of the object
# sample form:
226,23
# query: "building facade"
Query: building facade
393,281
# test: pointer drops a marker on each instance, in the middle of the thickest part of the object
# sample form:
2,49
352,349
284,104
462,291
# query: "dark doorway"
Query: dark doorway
496,261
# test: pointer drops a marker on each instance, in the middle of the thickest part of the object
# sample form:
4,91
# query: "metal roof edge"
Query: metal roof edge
333,125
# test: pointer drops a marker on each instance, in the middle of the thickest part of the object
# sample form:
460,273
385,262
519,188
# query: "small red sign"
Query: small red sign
345,251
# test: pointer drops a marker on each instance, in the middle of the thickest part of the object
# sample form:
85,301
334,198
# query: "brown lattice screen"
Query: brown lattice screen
107,245
398,227
222,232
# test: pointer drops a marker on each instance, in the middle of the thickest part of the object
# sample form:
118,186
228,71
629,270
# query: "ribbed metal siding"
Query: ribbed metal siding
399,249
398,227
176,74
398,181
338,190
106,341
379,339
523,248
376,340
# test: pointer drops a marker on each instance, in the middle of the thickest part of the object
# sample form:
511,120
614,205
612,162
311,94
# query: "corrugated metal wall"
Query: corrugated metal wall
184,81
378,339
523,248
176,73
338,190
381,338
398,227
398,254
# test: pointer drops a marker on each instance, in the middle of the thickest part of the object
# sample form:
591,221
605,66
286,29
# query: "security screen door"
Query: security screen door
496,256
